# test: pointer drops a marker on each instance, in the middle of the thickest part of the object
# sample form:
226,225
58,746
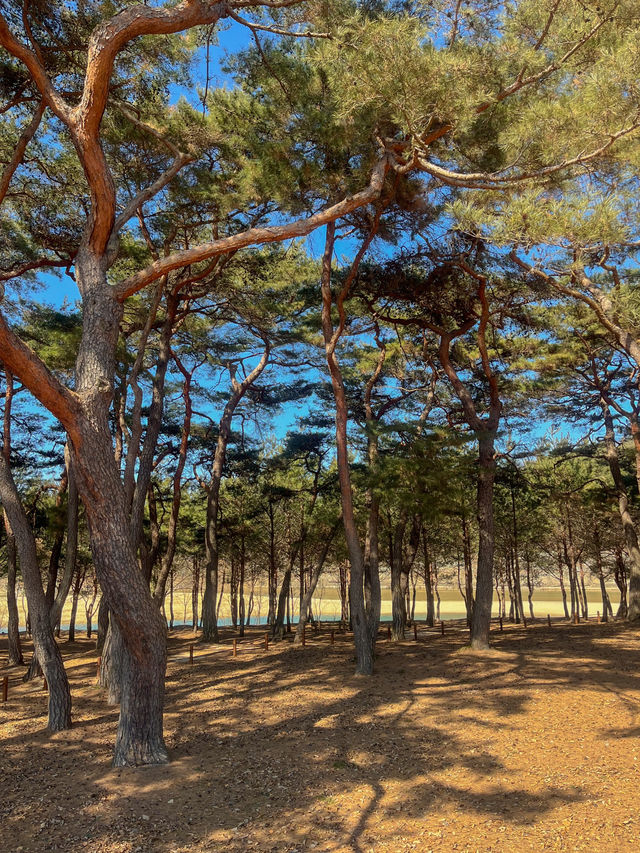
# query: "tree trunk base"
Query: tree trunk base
133,753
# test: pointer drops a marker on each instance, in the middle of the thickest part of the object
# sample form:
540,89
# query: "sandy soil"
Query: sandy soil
532,746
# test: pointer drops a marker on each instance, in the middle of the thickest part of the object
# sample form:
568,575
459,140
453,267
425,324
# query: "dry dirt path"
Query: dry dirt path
533,746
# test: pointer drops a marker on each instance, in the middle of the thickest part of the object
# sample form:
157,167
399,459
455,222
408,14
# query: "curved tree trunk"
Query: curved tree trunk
46,648
620,577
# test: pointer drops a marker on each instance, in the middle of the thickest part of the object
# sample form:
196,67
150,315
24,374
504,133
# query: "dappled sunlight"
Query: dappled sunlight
286,749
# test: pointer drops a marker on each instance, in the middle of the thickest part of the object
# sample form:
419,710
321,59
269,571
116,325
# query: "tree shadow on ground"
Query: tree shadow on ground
287,750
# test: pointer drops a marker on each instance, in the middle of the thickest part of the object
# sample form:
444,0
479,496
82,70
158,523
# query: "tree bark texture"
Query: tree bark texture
46,648
630,533
143,631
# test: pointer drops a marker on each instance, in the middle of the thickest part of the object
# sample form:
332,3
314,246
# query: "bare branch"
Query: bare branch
6,275
152,190
497,180
276,30
27,135
33,372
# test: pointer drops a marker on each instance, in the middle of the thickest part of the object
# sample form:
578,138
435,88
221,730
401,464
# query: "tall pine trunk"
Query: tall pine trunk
481,622
630,533
46,649
139,738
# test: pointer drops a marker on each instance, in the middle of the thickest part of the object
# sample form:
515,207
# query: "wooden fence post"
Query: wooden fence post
442,627
548,620
266,642
304,635
333,637
5,688
235,648
191,653
415,632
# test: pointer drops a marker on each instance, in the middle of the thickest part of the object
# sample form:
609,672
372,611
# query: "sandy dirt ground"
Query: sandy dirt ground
532,746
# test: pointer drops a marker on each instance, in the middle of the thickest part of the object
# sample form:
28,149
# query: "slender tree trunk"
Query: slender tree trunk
513,604
362,631
583,590
481,623
428,581
171,617
166,566
527,560
606,603
461,589
75,595
241,603
635,434
398,612
13,617
195,574
620,577
517,585
630,534
46,648
278,629
345,618
103,624
137,489
273,568
516,553
313,582
233,591
209,616
71,553
561,579
219,604
58,539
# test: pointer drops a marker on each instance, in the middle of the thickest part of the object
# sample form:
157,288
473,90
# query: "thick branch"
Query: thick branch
254,236
36,376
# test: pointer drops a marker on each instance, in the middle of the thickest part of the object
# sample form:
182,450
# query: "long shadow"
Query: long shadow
272,749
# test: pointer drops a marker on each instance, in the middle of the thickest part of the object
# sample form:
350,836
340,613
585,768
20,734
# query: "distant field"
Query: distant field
546,600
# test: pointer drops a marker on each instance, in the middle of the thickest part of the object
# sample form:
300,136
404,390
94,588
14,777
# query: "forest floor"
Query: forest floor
531,746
